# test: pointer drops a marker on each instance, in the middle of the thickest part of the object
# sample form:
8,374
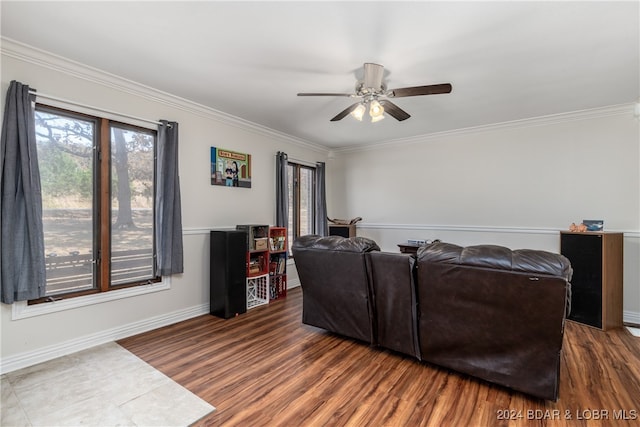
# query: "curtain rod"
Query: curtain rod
55,98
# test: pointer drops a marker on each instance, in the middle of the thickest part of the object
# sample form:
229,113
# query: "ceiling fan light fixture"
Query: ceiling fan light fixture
371,87
377,118
376,111
358,112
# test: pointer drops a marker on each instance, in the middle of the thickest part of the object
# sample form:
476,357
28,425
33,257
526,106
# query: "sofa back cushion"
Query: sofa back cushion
334,275
499,257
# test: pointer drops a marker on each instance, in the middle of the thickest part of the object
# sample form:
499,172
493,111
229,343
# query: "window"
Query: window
301,185
98,186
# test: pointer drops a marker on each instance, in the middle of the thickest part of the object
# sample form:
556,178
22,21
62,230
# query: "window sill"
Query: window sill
21,310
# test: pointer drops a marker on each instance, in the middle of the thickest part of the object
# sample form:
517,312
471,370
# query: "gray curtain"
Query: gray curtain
282,192
169,249
322,227
22,263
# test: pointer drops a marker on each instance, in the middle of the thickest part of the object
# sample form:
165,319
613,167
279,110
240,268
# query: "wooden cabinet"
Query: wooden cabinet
408,249
596,285
227,276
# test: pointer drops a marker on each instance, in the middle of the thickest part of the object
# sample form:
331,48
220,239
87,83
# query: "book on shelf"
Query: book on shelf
277,243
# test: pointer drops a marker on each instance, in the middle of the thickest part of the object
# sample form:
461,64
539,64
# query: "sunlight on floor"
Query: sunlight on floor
634,331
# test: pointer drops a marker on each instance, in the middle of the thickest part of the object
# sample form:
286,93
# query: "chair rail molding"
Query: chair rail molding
478,228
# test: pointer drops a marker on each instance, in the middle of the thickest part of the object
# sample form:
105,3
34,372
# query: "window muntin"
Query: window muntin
98,180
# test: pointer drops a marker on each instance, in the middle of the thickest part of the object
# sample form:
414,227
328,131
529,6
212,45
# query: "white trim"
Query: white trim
189,231
302,162
629,316
23,52
43,354
293,283
479,229
460,228
21,310
571,116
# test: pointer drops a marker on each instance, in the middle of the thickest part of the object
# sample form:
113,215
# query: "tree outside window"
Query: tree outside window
97,179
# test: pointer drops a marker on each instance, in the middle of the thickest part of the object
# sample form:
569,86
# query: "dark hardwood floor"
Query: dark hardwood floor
266,368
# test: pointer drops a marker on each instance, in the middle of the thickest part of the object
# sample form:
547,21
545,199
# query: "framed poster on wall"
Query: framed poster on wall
230,168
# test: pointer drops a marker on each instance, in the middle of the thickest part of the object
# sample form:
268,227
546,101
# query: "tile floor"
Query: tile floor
102,386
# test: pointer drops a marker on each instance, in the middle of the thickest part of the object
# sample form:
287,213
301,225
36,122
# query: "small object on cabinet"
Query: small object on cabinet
344,221
261,244
577,228
593,224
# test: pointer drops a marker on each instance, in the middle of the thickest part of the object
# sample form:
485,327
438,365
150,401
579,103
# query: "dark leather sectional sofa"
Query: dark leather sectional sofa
485,311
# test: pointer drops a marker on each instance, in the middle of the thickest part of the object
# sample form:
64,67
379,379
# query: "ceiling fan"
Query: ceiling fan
374,94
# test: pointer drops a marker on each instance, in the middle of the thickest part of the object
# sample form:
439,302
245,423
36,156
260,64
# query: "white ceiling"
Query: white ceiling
505,60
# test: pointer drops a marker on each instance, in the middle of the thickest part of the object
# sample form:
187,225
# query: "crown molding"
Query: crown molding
26,53
588,114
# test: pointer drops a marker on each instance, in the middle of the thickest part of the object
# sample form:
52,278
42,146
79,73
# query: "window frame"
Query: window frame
101,206
295,198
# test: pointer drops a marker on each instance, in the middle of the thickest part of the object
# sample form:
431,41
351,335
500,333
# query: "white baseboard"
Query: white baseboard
22,360
293,283
632,317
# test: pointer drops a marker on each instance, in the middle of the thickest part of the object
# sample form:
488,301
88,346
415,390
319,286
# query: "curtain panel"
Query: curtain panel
322,226
282,191
169,249
22,262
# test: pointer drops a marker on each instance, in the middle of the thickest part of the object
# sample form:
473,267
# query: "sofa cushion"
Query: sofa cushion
498,257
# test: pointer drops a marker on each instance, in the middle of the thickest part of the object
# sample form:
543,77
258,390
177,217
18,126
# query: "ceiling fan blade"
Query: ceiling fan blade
373,74
394,111
350,95
420,90
344,113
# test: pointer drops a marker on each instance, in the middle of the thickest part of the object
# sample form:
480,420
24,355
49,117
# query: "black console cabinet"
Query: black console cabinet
348,230
228,279
596,285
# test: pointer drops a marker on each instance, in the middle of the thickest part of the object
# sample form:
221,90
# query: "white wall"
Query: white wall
513,184
204,206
